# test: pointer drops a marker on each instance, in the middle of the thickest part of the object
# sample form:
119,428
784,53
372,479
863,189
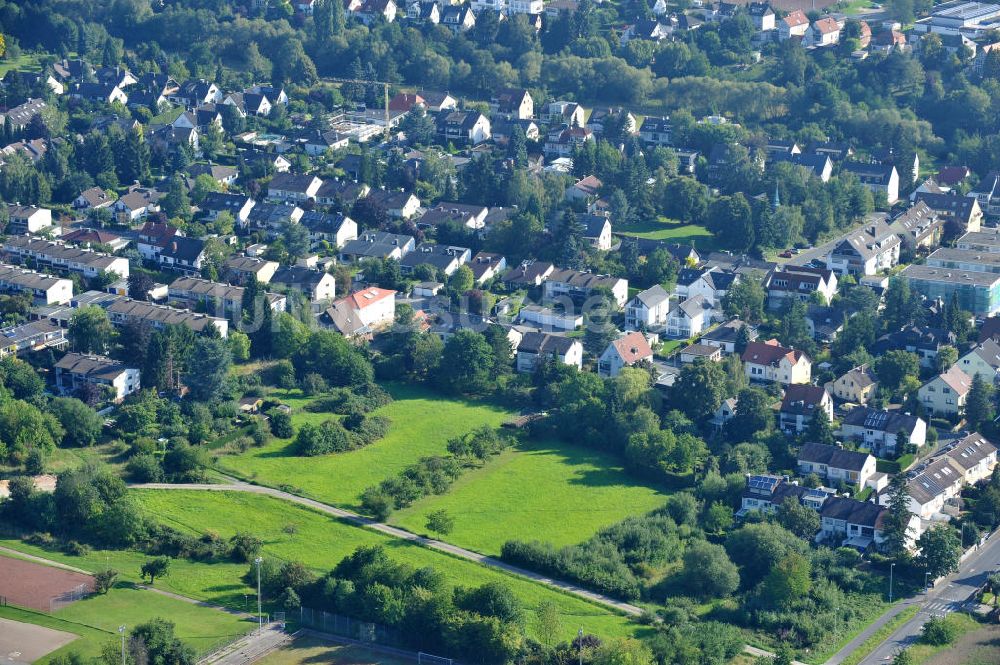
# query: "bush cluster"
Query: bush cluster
334,436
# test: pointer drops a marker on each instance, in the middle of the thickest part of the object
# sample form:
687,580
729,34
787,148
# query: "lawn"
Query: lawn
307,650
24,62
422,424
548,491
664,229
96,620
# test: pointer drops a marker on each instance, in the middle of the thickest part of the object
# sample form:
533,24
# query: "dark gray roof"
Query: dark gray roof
833,456
538,342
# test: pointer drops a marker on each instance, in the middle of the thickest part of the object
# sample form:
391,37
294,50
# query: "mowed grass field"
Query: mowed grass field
96,620
665,229
422,424
294,533
543,490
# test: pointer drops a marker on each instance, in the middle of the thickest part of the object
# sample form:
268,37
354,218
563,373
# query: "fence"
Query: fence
338,624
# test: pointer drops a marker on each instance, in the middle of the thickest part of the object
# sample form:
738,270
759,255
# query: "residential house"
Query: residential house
940,482
317,285
396,203
655,131
30,337
694,352
962,214
765,492
919,227
458,18
185,255
648,310
514,102
865,251
292,187
443,258
711,283
724,413
769,361
92,199
21,115
371,11
44,289
99,92
549,318
762,15
486,266
241,269
946,393
626,351
855,386
888,41
28,219
689,318
987,194
568,114
62,258
817,165
529,273
341,193
847,522
881,430
125,311
800,403
727,335
220,299
75,370
881,179
835,464
799,283
322,142
602,119
538,345
463,127
586,190
362,312
983,360
377,245
976,455
472,217
272,217
563,142
136,204
87,237
436,102
579,286
794,24
502,129
335,230
237,205
223,175
925,342
194,93
824,32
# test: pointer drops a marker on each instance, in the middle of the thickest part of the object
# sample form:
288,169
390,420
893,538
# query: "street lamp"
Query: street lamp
579,636
121,629
260,615
891,566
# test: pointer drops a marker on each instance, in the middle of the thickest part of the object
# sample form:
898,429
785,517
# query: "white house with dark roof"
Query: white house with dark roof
727,335
983,360
648,310
865,251
799,283
575,284
883,432
879,178
689,318
538,345
293,187
445,258
834,463
625,351
487,265
377,245
74,371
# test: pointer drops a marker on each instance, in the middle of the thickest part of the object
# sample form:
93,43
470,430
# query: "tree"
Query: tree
903,657
140,283
599,329
441,522
745,299
104,580
154,568
946,357
820,429
548,623
81,423
979,408
940,550
90,330
718,518
623,651
155,642
176,202
466,363
208,368
461,280
708,572
281,425
788,581
897,521
493,599
702,385
892,368
801,520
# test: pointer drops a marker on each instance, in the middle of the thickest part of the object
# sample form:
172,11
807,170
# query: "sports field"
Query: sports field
26,643
422,424
549,491
308,650
40,587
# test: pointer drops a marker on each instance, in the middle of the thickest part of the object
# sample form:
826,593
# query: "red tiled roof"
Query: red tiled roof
633,347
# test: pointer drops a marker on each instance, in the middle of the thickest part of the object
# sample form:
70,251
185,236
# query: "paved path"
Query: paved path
358,520
18,554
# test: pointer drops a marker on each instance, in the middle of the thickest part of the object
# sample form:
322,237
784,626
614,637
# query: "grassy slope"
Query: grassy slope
96,619
665,229
545,491
422,424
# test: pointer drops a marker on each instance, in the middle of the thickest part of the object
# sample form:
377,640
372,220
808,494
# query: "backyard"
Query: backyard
546,491
422,424
664,229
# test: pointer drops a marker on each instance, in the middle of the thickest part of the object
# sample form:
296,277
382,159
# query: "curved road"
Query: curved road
392,531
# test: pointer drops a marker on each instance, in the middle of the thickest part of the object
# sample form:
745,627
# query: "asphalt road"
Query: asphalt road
950,595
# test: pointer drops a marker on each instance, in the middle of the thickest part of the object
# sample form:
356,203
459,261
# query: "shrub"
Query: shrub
74,548
144,468
938,632
281,424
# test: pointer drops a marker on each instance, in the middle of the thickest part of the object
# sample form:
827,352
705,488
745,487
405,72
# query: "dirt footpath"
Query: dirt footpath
26,643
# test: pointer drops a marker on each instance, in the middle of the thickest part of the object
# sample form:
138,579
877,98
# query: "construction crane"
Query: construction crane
385,87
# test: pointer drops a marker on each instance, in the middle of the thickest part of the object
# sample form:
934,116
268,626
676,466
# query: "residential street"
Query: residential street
950,595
